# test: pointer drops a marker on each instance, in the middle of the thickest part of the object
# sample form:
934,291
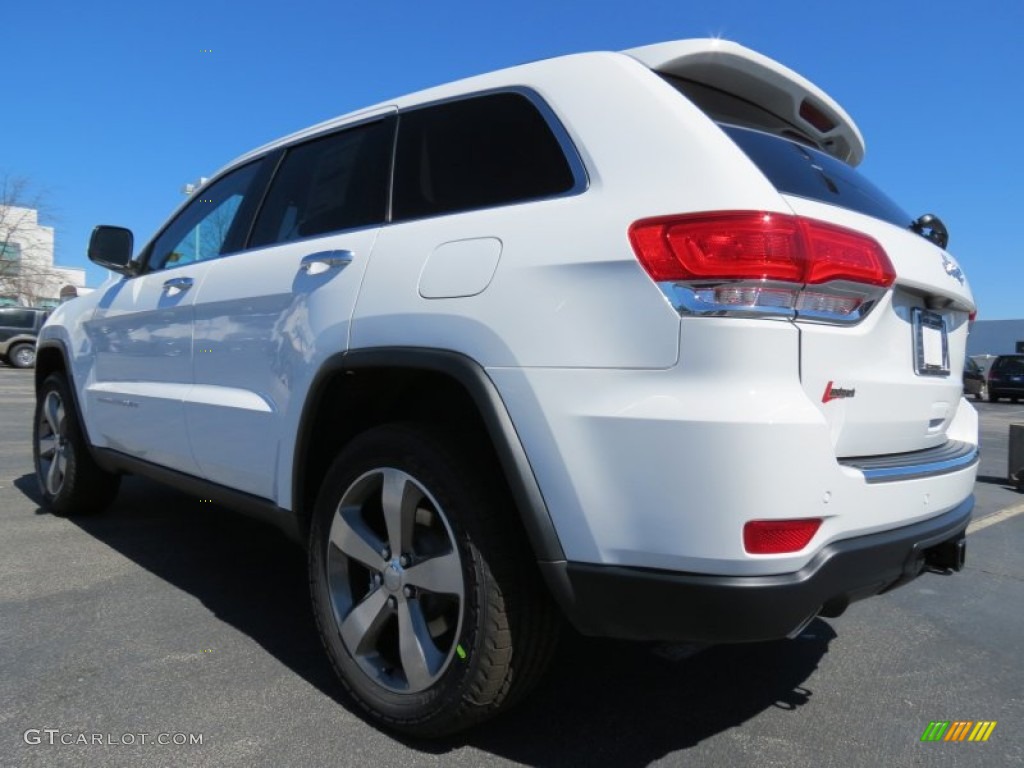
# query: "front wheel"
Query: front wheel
991,396
70,482
982,393
429,607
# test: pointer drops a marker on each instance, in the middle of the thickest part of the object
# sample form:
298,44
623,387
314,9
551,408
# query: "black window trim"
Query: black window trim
580,176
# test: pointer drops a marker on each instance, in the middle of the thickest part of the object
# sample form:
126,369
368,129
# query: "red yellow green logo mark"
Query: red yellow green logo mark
958,730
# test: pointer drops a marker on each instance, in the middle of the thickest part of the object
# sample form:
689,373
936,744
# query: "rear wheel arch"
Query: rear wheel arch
356,391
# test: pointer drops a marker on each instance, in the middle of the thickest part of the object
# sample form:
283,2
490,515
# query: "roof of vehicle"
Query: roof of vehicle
731,67
718,63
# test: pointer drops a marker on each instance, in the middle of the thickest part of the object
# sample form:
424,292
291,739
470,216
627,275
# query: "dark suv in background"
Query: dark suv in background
19,327
975,382
1006,378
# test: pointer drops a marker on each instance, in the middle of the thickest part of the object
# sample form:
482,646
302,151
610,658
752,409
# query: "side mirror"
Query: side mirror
111,247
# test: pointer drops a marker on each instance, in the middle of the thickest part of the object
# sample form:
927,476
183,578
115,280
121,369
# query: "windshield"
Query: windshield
798,169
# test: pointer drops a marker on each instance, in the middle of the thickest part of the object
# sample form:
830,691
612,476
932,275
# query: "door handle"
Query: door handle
316,263
177,285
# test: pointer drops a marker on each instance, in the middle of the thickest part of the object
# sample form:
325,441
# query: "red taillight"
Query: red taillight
753,245
713,246
773,537
835,253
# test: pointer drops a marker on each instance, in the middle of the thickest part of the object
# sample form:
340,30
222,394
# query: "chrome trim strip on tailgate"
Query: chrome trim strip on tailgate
952,456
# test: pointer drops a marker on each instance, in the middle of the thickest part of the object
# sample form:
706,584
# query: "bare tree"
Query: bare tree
27,274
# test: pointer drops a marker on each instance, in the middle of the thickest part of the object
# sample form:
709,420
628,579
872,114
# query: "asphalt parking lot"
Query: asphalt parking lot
172,618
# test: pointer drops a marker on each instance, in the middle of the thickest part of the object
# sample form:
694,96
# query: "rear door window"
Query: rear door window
329,184
478,152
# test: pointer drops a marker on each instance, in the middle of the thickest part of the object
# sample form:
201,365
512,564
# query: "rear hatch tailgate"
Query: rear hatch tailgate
892,382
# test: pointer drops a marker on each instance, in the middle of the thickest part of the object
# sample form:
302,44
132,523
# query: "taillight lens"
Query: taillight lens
736,246
732,260
774,537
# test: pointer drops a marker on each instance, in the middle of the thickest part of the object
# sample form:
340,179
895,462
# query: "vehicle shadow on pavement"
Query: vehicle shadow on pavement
603,702
627,704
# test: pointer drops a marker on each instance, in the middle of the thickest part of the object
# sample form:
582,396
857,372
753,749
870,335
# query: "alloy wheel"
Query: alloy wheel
54,447
395,581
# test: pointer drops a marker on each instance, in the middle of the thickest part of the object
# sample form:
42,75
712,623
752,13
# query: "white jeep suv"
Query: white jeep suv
617,337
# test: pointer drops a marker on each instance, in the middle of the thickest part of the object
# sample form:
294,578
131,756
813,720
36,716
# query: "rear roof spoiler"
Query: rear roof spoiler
730,67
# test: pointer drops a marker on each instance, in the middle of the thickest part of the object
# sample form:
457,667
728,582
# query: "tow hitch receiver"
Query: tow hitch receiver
947,557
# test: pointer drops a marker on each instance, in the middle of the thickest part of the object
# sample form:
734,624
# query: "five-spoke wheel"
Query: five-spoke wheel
52,442
395,580
429,606
70,481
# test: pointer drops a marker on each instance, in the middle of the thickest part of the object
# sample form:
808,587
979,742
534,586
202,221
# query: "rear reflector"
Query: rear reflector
773,537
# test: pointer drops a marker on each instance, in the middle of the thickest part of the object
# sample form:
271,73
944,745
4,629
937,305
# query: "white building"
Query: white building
28,276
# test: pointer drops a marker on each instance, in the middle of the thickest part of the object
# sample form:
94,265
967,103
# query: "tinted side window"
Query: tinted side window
18,318
476,153
334,183
209,226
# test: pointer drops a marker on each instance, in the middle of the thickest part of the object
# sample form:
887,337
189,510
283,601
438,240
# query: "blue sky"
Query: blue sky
112,106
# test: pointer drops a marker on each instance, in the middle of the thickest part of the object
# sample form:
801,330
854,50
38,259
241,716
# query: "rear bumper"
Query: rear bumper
649,604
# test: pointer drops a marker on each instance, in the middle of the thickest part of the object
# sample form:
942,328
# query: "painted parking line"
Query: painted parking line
998,517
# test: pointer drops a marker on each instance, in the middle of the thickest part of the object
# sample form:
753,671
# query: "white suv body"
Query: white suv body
653,408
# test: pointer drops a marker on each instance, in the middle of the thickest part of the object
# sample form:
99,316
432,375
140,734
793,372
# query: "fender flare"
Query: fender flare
474,379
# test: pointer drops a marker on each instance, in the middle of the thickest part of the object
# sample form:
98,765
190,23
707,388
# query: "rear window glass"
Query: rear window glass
797,169
476,153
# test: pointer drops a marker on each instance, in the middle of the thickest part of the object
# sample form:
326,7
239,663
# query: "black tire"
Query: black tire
992,396
22,355
70,482
493,641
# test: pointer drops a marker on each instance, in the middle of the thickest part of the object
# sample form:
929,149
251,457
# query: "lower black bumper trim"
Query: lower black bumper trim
649,604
